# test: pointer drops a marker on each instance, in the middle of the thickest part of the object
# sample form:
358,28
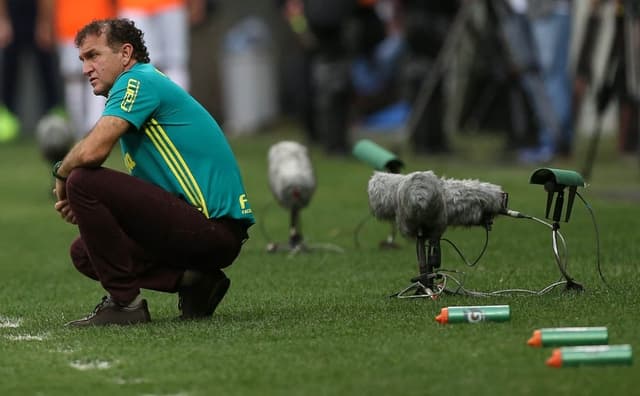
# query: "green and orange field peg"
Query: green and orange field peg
569,336
474,314
591,355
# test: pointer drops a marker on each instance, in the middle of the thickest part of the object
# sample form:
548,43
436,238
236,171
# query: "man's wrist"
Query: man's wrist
56,168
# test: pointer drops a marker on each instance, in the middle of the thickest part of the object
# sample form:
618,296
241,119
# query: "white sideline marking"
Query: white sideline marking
131,381
167,394
10,323
26,337
92,365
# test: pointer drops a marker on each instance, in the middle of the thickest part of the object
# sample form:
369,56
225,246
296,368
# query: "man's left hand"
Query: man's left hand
62,203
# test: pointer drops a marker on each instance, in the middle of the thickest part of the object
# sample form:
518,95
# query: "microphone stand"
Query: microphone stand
557,214
429,259
296,242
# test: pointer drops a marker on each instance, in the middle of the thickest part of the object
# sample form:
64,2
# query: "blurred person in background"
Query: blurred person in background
621,81
521,52
83,107
426,26
551,26
26,26
492,97
329,66
517,60
297,66
378,48
346,72
165,24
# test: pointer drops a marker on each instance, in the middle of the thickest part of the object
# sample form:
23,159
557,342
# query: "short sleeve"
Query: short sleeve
132,99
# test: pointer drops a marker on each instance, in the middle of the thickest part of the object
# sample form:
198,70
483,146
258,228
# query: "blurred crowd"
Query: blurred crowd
424,67
435,67
46,29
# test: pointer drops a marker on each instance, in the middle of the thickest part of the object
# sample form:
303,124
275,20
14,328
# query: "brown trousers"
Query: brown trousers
136,235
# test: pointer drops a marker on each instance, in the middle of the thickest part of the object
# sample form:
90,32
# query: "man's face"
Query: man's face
101,64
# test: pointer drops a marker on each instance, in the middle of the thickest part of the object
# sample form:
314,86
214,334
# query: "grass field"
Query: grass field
323,323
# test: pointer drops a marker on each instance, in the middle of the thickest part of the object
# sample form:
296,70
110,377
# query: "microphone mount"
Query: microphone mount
429,261
555,181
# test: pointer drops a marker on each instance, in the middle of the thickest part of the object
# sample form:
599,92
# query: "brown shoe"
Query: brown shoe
108,312
202,298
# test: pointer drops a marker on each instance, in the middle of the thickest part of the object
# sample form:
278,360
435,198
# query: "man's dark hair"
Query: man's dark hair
118,32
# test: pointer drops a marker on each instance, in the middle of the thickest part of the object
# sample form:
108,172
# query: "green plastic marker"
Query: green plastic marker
378,157
569,336
474,314
592,355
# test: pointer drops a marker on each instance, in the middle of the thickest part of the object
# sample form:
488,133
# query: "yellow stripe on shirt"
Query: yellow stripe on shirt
170,164
192,179
177,165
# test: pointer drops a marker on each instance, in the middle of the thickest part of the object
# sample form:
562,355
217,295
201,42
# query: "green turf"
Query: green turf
323,323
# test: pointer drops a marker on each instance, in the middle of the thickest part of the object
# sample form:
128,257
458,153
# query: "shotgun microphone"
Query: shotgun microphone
422,202
291,177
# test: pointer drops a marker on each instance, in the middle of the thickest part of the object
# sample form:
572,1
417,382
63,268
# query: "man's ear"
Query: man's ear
127,54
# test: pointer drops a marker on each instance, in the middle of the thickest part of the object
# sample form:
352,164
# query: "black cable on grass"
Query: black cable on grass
597,236
446,275
356,232
484,249
461,290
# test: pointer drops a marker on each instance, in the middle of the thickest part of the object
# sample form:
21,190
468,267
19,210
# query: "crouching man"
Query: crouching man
181,214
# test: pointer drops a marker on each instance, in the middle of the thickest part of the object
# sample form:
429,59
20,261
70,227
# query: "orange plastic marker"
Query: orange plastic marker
591,355
474,314
565,336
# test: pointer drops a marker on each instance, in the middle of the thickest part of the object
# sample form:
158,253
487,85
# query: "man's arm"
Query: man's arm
90,152
94,149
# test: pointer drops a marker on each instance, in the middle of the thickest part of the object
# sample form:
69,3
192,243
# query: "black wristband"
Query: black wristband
54,172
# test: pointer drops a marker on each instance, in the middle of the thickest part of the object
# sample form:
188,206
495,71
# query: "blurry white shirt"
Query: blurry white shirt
519,6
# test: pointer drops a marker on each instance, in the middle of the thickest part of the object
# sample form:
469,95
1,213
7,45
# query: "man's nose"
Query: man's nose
86,68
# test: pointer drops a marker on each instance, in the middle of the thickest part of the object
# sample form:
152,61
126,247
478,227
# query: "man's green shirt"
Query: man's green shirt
176,144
